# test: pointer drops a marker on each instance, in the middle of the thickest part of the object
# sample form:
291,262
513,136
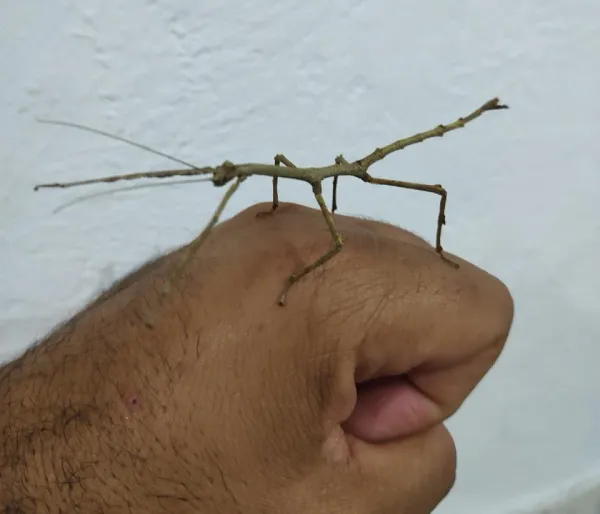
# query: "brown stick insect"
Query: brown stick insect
228,172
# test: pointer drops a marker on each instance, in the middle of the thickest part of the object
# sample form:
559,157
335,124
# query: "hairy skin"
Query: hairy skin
200,394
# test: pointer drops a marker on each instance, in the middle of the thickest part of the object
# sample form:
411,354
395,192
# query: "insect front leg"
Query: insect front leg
337,245
192,247
436,189
279,159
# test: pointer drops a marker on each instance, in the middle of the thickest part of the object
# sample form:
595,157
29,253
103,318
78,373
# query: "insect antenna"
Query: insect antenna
125,189
116,138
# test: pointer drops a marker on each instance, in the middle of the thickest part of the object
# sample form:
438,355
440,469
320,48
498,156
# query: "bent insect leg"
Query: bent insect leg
337,245
279,159
436,189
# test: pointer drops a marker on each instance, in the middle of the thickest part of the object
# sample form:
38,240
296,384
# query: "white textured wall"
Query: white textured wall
221,79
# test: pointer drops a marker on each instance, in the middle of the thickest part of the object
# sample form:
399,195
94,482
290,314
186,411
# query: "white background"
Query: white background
224,79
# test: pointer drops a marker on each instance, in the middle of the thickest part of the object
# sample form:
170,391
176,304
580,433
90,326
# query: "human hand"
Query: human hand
226,402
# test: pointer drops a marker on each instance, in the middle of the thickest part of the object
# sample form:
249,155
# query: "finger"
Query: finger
407,475
388,408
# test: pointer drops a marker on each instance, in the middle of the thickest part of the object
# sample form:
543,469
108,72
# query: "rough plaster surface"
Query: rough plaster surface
223,79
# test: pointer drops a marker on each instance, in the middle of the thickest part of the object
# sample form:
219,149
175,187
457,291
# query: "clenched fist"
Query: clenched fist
197,393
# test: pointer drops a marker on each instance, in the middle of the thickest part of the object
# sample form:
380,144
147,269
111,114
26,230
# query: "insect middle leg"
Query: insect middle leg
337,245
436,189
334,205
338,160
279,159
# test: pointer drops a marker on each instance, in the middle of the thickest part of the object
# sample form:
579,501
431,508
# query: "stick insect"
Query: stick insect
228,172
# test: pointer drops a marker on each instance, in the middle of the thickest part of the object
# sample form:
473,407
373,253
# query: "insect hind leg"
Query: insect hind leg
436,189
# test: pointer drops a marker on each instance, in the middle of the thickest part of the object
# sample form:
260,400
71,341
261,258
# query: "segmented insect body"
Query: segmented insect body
229,172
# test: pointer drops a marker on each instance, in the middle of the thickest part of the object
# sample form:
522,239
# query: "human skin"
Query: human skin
196,392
